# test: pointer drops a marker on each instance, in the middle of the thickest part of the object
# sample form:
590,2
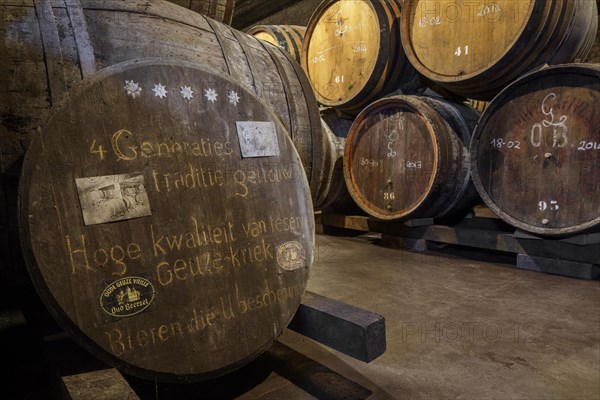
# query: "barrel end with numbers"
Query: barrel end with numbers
536,151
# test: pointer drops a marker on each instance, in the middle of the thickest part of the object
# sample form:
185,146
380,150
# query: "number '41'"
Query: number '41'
459,51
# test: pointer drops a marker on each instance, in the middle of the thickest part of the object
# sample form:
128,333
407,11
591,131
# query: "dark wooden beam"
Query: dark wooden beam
340,326
219,10
248,12
106,384
313,377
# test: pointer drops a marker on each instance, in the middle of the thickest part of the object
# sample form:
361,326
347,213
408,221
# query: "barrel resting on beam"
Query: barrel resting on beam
340,326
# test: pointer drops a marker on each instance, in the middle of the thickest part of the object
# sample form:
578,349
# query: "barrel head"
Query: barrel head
391,159
536,151
456,39
150,237
476,49
341,48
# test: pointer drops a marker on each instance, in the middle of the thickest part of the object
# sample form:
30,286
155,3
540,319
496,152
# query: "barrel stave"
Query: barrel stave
288,37
332,193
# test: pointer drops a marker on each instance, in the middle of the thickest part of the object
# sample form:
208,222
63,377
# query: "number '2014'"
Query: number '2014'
583,146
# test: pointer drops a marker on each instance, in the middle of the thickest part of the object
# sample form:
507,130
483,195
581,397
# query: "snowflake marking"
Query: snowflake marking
159,90
211,95
133,89
233,97
187,92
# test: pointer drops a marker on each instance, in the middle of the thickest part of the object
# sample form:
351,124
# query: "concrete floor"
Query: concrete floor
456,329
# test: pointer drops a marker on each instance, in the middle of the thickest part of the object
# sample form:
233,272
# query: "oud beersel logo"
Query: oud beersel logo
290,255
127,296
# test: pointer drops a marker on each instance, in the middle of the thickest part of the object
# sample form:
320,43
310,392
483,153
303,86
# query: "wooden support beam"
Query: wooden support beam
105,384
219,10
340,326
477,233
247,12
313,377
559,267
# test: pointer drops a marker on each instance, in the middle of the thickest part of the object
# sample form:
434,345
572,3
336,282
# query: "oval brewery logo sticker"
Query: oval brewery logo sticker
290,256
127,296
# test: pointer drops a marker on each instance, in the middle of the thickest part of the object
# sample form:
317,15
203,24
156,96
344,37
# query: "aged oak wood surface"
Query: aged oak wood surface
352,52
288,37
536,151
48,47
250,12
406,157
165,220
106,384
332,193
476,48
219,10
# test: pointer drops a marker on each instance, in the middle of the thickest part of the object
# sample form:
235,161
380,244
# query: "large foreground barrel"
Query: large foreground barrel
536,151
288,37
407,157
48,47
205,267
352,53
475,49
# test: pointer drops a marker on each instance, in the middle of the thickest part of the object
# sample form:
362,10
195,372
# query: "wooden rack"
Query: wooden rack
577,256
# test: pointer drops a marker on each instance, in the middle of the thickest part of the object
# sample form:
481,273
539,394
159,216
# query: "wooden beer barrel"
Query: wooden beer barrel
536,151
203,275
406,157
288,37
352,53
332,192
475,49
48,47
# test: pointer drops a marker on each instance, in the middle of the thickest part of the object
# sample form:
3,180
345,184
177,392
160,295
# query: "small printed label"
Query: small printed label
257,139
127,296
290,256
112,198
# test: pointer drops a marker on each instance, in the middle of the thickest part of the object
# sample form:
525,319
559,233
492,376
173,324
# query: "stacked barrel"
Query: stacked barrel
536,151
288,37
413,149
352,52
475,49
164,213
406,157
